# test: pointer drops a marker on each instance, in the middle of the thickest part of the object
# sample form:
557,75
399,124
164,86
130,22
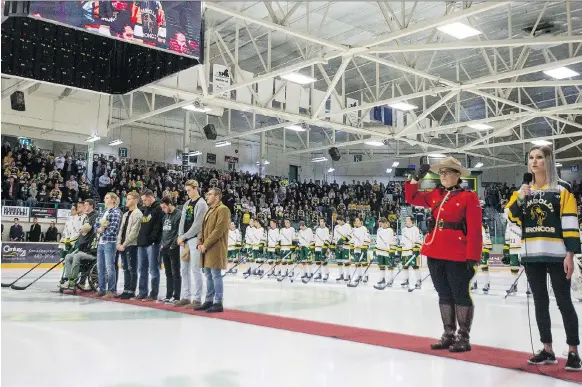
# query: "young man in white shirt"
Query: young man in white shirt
385,244
322,238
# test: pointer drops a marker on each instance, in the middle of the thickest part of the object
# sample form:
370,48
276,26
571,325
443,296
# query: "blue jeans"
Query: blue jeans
129,265
106,270
148,262
214,286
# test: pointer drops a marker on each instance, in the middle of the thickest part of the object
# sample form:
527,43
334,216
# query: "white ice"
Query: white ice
50,339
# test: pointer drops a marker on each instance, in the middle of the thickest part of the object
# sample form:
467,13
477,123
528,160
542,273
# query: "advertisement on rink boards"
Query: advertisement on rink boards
15,212
43,214
29,252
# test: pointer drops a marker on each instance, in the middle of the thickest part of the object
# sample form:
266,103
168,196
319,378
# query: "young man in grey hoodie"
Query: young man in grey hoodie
170,251
191,220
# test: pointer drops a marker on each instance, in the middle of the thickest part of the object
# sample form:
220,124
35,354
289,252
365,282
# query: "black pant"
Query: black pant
129,264
452,281
537,277
171,258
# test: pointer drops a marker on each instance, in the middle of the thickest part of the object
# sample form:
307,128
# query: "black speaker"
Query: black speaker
17,101
210,132
335,154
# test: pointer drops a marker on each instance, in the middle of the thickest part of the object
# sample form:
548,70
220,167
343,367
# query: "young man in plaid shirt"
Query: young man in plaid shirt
107,228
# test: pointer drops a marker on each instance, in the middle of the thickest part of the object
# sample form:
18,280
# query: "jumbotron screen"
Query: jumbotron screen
175,26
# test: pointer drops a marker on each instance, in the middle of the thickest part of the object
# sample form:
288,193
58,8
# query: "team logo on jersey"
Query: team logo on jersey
538,215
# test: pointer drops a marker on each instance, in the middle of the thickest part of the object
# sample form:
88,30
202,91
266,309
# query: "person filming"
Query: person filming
546,210
452,247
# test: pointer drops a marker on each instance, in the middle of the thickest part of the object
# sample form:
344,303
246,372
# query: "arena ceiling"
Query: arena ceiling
385,52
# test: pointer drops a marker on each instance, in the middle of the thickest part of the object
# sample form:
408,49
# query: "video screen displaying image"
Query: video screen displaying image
169,25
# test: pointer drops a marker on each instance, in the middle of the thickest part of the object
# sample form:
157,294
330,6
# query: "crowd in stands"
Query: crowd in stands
38,178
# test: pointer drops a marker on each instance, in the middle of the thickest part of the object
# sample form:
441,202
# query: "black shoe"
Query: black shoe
573,363
215,308
126,296
207,305
544,357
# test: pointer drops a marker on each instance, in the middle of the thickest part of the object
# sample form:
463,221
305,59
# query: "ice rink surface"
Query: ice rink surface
49,339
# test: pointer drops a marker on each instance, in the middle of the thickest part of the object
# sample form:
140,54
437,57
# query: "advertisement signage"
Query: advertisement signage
231,159
43,213
28,252
174,26
15,212
211,158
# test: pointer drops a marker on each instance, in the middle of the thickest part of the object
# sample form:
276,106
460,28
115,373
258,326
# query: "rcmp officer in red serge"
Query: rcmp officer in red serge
452,247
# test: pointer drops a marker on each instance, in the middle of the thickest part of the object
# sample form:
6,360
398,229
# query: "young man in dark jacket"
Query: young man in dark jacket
148,246
170,250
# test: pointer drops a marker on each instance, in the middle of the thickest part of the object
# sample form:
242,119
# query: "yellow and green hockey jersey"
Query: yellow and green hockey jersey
550,226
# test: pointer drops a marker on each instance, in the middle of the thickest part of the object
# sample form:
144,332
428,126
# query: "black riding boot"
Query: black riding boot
450,326
465,319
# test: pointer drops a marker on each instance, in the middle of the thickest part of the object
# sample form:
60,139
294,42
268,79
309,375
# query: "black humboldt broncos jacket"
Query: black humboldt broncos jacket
151,225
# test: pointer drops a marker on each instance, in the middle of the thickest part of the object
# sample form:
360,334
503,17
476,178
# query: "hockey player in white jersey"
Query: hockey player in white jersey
512,249
322,240
234,244
287,236
273,240
385,247
305,238
484,264
361,242
259,242
411,241
341,238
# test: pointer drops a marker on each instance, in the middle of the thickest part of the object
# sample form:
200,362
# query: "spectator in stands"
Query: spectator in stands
127,244
11,190
104,184
72,188
34,234
107,229
51,233
191,220
148,243
56,195
16,232
32,194
170,250
213,246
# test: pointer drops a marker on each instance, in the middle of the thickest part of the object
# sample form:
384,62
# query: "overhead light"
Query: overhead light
201,109
438,156
459,30
480,126
403,106
195,153
330,170
374,143
297,128
318,159
561,73
478,165
558,164
395,164
541,142
222,143
298,78
389,170
115,142
93,138
266,162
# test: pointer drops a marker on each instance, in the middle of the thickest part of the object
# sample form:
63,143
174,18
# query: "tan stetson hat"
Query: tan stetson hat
452,163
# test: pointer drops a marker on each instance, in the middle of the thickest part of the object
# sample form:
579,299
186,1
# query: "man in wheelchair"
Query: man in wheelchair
85,250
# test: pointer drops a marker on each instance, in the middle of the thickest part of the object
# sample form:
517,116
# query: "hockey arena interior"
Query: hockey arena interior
281,193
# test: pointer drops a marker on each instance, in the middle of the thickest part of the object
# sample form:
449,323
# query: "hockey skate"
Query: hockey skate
381,282
340,278
348,278
486,288
512,289
418,284
317,277
404,284
365,279
325,277
474,286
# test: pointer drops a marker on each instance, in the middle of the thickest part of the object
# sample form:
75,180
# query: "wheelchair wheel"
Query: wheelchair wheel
93,278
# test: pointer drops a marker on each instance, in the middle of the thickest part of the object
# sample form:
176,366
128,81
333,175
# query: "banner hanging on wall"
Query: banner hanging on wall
15,212
43,213
28,252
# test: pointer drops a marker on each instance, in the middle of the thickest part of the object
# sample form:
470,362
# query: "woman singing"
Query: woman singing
546,212
452,246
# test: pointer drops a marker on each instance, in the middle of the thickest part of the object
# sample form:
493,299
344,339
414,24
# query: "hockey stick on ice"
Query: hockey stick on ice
507,292
240,262
19,278
396,275
15,287
272,269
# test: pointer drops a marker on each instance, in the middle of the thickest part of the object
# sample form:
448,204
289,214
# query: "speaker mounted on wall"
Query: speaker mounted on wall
17,101
334,153
210,132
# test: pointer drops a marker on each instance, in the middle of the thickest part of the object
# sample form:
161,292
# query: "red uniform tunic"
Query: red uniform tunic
450,244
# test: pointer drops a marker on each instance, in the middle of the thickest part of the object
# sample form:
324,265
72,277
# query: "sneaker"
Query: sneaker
100,294
543,357
140,297
573,363
110,295
182,302
148,298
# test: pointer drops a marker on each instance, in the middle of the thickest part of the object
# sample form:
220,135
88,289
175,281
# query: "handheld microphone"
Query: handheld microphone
527,178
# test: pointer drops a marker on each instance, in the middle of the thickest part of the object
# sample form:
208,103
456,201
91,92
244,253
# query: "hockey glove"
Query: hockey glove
421,172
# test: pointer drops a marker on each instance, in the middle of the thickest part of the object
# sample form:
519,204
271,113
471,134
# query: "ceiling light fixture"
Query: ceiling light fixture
318,159
395,164
266,162
438,156
558,164
459,30
480,126
330,170
478,165
195,153
374,143
93,138
115,142
200,109
541,142
298,78
389,170
403,106
561,73
297,128
222,143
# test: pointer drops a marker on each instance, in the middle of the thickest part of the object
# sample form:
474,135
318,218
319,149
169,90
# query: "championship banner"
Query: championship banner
43,213
15,212
231,159
30,252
